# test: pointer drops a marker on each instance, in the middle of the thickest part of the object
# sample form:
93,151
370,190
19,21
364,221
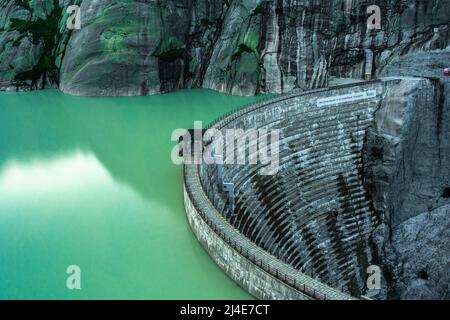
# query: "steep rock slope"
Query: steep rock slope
407,172
32,42
139,47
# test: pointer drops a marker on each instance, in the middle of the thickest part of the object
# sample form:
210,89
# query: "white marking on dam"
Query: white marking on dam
346,98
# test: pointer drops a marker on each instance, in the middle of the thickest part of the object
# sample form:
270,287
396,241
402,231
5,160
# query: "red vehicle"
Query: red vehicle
447,72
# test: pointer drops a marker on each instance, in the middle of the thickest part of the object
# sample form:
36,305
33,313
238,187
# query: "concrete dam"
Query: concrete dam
303,233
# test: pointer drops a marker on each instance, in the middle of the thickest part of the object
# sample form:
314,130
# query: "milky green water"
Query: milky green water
90,182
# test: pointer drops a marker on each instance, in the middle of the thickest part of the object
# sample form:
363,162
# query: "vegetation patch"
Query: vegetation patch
42,31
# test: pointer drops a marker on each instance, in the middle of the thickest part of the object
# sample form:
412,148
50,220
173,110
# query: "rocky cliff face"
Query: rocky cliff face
407,173
140,47
32,43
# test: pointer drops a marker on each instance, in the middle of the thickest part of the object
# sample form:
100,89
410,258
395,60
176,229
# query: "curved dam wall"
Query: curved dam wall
301,233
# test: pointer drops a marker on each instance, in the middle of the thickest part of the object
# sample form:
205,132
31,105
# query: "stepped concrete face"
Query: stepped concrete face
317,215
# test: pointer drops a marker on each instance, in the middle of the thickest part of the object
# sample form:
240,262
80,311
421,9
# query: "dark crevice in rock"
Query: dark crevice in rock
440,101
446,193
210,49
423,275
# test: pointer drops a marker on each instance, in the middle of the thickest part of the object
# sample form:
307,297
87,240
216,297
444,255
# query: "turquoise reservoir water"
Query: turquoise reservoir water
90,182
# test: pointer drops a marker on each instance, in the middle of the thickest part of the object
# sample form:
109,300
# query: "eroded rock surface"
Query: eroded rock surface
132,47
417,258
407,173
32,43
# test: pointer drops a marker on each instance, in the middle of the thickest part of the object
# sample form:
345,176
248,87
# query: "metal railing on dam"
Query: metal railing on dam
271,249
